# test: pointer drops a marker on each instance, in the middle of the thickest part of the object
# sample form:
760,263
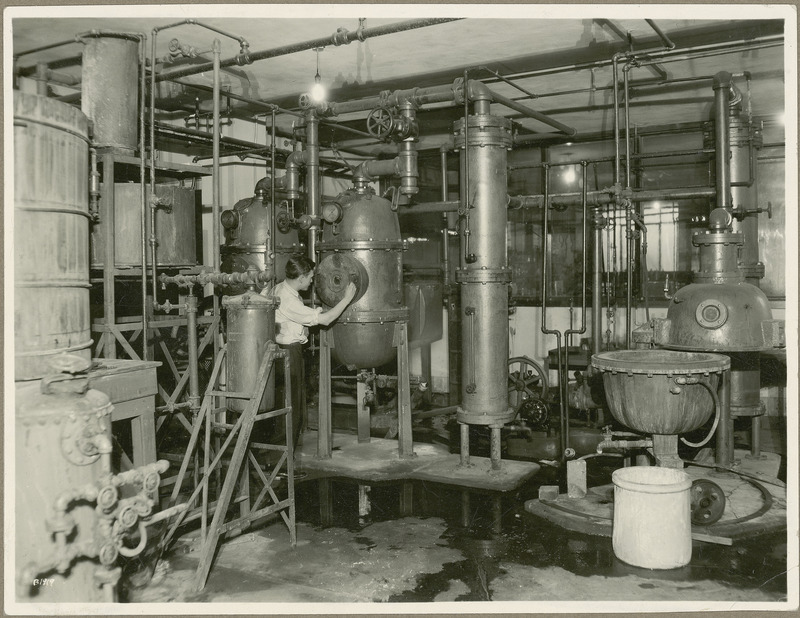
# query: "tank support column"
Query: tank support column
724,437
362,408
404,438
324,424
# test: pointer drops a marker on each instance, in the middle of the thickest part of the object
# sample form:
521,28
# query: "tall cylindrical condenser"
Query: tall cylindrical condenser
484,275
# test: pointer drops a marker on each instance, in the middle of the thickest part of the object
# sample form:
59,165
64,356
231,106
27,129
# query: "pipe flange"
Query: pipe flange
353,315
361,245
484,130
483,275
711,314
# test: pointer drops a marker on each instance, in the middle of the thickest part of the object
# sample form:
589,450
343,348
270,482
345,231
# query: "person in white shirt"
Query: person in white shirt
292,319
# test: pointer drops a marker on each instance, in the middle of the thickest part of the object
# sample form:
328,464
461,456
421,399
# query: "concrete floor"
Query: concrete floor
417,541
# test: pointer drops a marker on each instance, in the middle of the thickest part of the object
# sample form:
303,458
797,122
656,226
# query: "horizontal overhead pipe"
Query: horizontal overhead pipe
340,37
476,91
599,198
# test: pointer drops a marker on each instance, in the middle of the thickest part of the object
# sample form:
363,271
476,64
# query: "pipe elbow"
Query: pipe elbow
723,79
478,91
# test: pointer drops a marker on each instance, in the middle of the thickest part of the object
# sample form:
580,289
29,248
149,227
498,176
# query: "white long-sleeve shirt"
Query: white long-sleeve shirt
292,317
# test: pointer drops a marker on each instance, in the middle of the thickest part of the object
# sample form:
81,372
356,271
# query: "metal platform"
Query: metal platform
748,512
379,460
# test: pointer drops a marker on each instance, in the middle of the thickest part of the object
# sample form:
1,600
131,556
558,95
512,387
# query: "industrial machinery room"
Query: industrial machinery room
431,308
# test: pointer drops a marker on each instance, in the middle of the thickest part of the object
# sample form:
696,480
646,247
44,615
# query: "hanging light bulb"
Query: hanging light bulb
318,91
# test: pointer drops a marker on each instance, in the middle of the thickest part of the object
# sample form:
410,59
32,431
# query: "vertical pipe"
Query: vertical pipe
615,79
273,204
143,189
154,301
216,186
544,329
445,230
109,260
625,70
194,376
597,284
312,178
722,144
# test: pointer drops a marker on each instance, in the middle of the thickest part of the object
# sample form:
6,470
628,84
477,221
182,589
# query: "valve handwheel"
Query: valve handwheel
708,502
526,380
380,122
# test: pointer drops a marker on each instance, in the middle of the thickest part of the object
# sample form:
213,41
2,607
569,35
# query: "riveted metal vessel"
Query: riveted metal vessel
642,392
51,233
484,275
364,247
247,234
53,456
176,227
250,326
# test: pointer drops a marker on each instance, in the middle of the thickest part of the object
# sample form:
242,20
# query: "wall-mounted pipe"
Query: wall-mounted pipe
340,37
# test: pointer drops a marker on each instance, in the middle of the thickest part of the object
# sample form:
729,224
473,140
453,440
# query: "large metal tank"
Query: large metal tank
484,275
176,227
57,427
108,91
51,233
364,247
250,326
247,233
720,312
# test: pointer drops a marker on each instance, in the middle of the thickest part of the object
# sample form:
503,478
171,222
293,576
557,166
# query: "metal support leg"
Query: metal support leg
363,412
364,506
325,426
464,444
755,437
406,445
495,449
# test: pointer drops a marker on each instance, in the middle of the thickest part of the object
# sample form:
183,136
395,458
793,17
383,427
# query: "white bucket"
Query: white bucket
652,517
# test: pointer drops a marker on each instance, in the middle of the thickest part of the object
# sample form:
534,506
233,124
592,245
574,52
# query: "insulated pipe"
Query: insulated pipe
340,37
194,376
722,145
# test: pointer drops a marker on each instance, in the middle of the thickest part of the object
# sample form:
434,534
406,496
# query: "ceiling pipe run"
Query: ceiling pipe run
341,37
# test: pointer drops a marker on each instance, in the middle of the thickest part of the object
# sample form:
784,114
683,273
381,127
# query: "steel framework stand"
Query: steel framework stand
239,466
325,429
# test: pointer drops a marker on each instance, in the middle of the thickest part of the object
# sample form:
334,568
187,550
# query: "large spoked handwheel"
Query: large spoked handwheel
526,381
380,122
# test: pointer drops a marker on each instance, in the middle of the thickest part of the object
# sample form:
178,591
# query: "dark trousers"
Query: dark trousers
297,371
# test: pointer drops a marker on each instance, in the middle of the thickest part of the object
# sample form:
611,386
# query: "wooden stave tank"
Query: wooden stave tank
364,247
638,387
47,463
51,234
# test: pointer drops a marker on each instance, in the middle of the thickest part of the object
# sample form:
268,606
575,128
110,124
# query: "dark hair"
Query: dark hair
298,265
